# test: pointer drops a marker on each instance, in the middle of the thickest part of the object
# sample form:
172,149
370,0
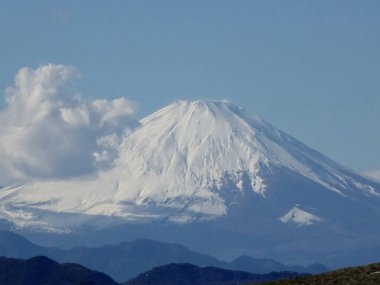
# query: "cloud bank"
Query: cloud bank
49,131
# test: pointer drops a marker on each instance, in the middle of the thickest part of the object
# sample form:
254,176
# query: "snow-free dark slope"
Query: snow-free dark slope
213,177
43,271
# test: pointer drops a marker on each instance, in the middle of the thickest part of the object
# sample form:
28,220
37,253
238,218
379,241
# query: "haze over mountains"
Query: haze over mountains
213,177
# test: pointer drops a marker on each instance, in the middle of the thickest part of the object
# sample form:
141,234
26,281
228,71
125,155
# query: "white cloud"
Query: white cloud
49,131
111,111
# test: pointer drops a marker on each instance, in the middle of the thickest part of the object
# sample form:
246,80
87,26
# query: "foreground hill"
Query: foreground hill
361,275
43,271
128,259
188,274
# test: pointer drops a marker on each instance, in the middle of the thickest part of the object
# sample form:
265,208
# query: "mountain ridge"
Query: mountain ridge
128,259
185,273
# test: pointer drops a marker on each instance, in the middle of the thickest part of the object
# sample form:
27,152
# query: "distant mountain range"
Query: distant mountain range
41,270
129,259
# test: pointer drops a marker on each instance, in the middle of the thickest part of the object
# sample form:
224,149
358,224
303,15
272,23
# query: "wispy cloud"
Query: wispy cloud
49,131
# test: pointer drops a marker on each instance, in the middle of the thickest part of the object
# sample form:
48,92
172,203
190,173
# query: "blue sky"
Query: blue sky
311,68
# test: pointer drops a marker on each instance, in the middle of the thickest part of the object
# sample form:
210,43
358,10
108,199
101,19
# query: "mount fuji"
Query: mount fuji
210,170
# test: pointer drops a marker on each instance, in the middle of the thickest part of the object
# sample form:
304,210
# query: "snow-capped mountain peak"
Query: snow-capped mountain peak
197,144
197,148
195,160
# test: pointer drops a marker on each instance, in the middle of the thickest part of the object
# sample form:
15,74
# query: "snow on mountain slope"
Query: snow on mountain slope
299,216
196,149
187,161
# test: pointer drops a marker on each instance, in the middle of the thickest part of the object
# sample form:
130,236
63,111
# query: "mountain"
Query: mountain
209,175
360,275
188,274
13,245
43,271
128,259
266,265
